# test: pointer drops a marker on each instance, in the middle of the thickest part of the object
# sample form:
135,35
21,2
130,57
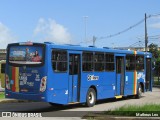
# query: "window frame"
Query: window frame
91,61
134,62
97,61
28,65
3,69
141,70
59,61
110,62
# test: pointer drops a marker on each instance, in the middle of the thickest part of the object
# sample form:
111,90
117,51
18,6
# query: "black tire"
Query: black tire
91,98
55,105
139,91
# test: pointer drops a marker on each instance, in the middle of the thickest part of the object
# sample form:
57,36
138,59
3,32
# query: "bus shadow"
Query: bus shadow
109,100
55,108
82,105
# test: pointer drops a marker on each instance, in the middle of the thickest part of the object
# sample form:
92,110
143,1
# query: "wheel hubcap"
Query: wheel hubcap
91,97
140,91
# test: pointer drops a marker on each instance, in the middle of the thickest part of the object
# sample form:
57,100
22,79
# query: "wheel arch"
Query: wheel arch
142,85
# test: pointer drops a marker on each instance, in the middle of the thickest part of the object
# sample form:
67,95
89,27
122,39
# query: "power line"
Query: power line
118,33
123,31
154,15
85,41
149,37
141,42
129,28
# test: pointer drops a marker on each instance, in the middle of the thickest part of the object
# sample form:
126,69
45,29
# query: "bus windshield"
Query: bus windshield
26,54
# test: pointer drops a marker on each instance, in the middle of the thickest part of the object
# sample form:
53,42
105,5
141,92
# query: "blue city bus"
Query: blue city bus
68,74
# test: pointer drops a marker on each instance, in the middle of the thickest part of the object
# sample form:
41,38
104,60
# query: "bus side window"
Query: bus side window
140,63
3,67
109,62
59,60
99,61
87,61
130,62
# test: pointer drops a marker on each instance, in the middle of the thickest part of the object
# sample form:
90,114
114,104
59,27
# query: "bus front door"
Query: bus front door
148,74
120,75
74,77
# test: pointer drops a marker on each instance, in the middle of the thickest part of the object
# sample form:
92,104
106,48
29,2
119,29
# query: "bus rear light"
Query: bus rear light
7,94
43,84
51,88
26,43
7,82
42,97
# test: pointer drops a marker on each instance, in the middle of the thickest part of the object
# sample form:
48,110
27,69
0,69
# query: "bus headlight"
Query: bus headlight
7,82
43,84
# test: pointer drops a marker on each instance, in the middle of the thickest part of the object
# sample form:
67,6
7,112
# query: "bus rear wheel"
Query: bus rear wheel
91,98
139,91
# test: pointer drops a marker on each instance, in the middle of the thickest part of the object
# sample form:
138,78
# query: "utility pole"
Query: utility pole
94,40
146,37
85,27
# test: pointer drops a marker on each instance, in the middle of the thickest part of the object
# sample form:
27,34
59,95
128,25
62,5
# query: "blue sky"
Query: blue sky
62,21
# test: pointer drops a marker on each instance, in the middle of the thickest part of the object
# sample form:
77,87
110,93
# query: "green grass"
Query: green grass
152,110
156,82
132,110
156,78
2,95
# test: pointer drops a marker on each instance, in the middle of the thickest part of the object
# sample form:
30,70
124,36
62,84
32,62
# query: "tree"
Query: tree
153,48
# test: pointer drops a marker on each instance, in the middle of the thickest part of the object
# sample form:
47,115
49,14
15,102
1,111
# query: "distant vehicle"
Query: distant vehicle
67,74
2,74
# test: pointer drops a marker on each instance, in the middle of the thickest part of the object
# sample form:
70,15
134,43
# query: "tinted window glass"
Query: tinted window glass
130,62
140,63
3,67
87,61
59,60
109,63
26,54
99,61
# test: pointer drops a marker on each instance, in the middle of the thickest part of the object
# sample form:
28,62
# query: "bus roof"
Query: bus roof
93,48
89,48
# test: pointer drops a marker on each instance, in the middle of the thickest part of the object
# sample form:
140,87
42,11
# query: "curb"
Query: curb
157,86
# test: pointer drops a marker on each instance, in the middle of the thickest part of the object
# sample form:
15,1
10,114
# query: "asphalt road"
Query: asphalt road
79,110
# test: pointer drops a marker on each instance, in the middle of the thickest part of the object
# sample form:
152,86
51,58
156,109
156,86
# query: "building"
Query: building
3,54
132,48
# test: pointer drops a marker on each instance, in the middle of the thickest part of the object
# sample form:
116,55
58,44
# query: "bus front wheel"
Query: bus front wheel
55,105
91,98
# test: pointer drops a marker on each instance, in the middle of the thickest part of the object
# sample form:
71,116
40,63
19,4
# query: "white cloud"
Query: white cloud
5,36
155,25
50,30
155,17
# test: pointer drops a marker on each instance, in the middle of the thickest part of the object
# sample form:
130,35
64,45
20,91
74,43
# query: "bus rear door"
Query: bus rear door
120,75
148,74
74,77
